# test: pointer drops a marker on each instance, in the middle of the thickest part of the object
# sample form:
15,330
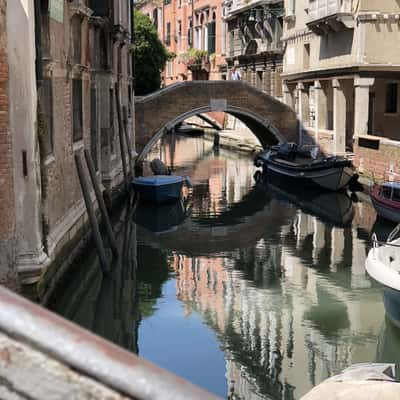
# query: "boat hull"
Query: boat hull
391,301
386,212
159,191
378,261
385,208
333,179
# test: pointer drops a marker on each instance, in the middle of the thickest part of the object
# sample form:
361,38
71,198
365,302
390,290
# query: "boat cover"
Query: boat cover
158,180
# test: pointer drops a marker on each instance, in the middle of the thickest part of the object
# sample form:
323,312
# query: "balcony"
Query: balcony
327,16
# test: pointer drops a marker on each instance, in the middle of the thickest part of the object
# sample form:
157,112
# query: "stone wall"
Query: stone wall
155,112
7,213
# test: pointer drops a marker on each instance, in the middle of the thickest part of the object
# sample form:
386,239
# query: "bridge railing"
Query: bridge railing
89,354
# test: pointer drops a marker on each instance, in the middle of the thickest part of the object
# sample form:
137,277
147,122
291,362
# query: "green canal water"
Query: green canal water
250,288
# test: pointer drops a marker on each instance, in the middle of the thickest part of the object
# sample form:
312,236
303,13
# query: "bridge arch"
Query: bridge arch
270,120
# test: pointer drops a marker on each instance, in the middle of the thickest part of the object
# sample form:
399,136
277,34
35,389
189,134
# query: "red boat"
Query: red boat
386,200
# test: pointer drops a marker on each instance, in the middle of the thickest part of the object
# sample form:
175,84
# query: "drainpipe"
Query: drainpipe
38,40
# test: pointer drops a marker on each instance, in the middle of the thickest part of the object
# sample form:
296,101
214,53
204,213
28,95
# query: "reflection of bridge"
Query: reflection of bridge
270,120
241,226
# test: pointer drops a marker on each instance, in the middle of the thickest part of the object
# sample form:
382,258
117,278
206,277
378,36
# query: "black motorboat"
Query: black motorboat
304,165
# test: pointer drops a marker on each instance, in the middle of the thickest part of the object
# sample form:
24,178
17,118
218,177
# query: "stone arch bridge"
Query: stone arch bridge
270,120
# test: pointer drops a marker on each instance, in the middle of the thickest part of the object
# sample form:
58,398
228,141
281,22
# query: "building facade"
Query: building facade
194,31
61,65
341,74
254,31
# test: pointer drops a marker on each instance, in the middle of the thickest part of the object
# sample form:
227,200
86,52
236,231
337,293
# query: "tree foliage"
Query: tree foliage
150,56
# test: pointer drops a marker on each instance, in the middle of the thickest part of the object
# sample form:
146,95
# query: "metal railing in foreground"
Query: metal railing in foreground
89,354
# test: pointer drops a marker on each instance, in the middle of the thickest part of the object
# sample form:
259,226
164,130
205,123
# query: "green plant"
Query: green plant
150,55
212,57
194,56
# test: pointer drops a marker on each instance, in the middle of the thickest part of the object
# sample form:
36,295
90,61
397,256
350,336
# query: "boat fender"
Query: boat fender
158,167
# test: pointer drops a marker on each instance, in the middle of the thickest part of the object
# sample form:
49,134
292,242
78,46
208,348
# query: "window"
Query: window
386,192
306,56
155,18
166,2
231,44
77,109
396,195
168,34
292,7
211,37
46,116
100,8
179,29
170,68
391,98
190,34
112,116
93,126
76,45
45,28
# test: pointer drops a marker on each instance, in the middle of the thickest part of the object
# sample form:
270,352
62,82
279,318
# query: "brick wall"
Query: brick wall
6,172
378,164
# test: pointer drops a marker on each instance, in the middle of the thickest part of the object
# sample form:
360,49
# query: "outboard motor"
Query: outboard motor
159,168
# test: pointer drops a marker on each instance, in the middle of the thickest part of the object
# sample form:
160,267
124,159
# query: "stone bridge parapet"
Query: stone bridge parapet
270,120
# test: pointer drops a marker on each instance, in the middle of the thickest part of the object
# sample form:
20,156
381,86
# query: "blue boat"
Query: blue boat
158,189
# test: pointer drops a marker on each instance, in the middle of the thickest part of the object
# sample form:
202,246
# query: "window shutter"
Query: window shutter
211,37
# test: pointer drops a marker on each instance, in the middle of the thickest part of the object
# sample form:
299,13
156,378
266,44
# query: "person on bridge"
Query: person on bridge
235,76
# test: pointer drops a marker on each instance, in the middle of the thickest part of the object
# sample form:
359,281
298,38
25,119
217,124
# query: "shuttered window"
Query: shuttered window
77,109
211,37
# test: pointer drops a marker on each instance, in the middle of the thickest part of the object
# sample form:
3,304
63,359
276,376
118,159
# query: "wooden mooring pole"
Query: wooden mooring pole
121,135
92,216
100,201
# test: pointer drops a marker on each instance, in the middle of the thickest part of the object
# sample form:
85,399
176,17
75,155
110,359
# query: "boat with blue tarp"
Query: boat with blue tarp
158,189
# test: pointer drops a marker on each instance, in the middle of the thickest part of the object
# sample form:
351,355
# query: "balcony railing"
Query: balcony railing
330,15
323,8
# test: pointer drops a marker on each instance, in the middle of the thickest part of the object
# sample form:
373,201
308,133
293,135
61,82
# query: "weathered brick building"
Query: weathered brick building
57,97
191,24
7,205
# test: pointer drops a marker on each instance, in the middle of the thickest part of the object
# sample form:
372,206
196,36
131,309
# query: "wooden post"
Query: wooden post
92,217
100,200
121,135
127,139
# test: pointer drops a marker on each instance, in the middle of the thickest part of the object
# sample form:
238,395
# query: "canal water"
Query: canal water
250,288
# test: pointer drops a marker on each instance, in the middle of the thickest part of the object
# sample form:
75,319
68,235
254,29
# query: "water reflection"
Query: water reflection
161,218
331,207
105,305
259,293
280,277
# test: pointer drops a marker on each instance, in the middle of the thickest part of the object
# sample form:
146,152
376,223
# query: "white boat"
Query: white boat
383,261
